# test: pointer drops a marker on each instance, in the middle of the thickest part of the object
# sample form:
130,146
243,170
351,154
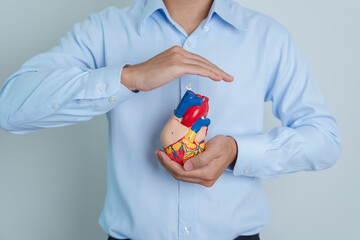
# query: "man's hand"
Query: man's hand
168,65
205,168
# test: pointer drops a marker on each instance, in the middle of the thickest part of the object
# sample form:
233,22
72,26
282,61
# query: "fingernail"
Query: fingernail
159,155
188,166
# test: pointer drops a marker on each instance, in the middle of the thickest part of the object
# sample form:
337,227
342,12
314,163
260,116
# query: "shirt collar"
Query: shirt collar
230,12
150,6
225,9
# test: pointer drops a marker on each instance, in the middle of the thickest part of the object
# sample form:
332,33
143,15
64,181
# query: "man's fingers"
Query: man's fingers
167,163
198,161
204,168
192,58
179,173
168,65
212,68
226,77
173,167
196,69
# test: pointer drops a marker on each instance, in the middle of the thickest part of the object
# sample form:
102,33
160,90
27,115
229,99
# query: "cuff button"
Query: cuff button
56,106
112,99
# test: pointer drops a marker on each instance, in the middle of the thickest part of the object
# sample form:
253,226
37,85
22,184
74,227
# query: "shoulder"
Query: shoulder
257,22
114,15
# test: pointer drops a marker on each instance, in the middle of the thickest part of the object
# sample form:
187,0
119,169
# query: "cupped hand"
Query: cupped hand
168,65
205,168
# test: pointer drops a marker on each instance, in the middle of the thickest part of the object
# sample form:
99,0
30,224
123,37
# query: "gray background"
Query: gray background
53,182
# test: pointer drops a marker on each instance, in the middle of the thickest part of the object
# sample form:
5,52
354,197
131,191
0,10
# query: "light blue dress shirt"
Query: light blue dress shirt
80,78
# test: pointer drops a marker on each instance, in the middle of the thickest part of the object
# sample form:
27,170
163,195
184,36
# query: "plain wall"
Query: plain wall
53,182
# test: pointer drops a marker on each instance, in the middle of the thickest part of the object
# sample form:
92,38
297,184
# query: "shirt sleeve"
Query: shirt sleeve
308,138
66,85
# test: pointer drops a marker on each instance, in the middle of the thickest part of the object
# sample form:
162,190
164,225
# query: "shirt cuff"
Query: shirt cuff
251,151
104,82
105,87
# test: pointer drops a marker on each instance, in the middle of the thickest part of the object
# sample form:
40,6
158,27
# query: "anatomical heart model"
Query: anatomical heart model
184,134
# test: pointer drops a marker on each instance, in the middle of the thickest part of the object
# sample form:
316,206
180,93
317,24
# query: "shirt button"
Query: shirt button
56,106
188,43
246,171
188,87
187,229
101,87
206,28
112,99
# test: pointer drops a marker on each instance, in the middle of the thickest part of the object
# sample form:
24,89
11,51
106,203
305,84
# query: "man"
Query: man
134,64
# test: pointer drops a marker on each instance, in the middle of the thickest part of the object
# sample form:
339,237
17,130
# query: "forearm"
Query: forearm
308,138
286,150
53,98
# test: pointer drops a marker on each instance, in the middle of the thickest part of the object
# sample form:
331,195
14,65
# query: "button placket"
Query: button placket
187,210
189,43
247,170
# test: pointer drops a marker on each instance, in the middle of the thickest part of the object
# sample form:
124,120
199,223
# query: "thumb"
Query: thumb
196,162
157,153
